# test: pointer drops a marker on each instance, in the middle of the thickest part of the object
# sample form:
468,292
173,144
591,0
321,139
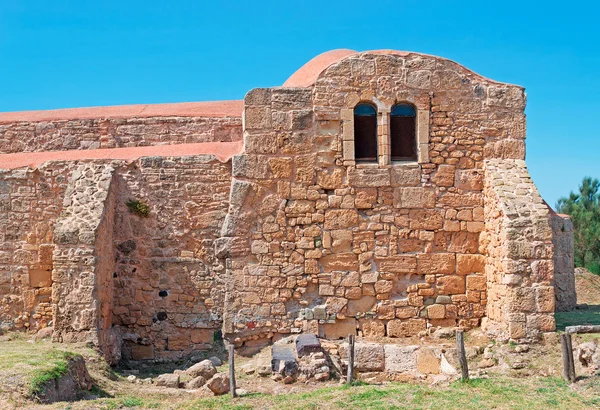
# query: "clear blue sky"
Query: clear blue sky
57,54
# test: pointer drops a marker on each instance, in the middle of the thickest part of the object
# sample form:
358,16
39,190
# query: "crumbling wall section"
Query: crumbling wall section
168,283
63,135
30,202
83,261
564,262
520,265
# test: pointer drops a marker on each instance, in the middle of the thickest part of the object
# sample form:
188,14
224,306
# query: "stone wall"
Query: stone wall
564,262
62,135
83,258
169,288
520,265
30,202
319,243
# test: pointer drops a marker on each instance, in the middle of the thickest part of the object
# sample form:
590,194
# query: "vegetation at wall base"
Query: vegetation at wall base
584,209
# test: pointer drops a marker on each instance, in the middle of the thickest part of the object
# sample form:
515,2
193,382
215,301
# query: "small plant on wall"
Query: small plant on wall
140,208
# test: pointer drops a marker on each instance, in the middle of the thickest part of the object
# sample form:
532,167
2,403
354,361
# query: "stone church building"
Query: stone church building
375,193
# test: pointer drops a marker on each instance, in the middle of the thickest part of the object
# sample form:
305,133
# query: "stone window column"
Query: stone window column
383,136
422,136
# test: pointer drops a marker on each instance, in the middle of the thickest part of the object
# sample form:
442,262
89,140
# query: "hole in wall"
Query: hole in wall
115,274
161,316
163,293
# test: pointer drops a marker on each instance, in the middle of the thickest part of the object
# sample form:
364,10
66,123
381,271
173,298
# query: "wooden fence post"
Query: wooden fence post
232,371
350,359
567,356
462,356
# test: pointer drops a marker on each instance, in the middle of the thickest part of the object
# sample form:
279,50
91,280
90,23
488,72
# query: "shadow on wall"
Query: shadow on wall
167,293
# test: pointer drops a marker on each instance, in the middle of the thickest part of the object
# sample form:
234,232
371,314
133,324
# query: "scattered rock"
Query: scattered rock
205,368
241,392
168,380
131,379
249,368
485,363
219,384
215,361
196,383
444,333
44,333
264,370
522,348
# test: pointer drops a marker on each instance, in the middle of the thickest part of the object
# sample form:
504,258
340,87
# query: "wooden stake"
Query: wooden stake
232,371
350,359
462,355
567,356
571,359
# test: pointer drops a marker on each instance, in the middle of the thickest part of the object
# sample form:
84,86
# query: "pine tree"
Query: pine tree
584,209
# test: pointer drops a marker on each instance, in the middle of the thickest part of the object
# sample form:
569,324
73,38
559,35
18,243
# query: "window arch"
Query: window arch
403,134
365,132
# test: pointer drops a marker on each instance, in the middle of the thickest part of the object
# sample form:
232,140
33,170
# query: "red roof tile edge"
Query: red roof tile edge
223,151
230,108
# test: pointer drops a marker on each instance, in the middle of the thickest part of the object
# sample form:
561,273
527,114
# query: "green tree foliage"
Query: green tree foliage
584,209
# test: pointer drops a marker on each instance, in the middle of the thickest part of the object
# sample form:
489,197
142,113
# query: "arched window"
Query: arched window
365,132
402,133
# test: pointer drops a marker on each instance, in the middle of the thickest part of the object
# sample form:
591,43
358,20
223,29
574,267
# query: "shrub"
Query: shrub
140,208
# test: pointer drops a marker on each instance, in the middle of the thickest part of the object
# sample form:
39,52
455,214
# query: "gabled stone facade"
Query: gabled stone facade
291,234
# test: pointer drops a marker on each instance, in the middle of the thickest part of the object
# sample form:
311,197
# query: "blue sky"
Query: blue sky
58,54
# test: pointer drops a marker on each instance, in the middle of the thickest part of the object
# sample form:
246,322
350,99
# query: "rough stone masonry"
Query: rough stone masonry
263,223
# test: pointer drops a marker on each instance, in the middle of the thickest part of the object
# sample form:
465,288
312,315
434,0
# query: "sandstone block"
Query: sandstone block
341,218
436,311
369,177
368,357
403,175
196,383
467,263
219,384
435,263
281,167
362,305
400,359
168,380
414,197
444,175
339,262
340,329
39,278
428,361
205,368
451,285
405,328
372,327
476,282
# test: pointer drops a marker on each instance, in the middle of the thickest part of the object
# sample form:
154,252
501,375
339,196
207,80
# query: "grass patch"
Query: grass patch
476,394
56,365
588,316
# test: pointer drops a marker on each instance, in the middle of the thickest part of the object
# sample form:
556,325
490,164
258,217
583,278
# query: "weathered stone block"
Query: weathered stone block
400,359
414,197
369,177
451,285
368,357
405,328
340,218
435,263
